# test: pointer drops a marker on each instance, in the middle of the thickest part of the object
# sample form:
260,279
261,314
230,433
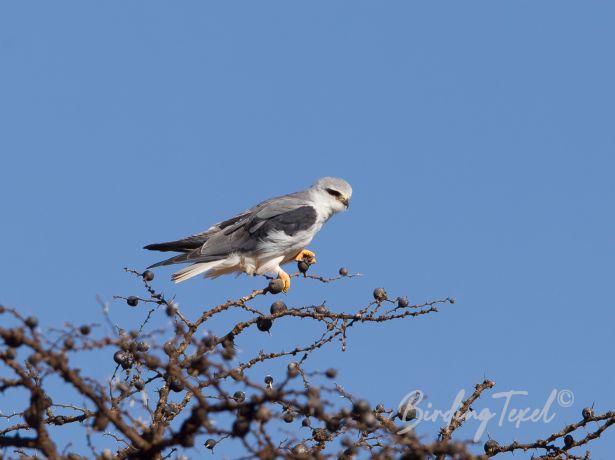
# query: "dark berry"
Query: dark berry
491,446
264,324
380,294
303,266
268,380
568,440
588,413
148,275
276,286
321,309
331,373
119,357
360,407
139,384
288,417
402,302
278,307
210,444
406,414
176,385
31,322
133,301
122,357
171,309
85,329
127,364
14,338
343,271
239,396
241,427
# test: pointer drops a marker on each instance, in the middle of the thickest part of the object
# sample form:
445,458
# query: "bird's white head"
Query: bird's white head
332,194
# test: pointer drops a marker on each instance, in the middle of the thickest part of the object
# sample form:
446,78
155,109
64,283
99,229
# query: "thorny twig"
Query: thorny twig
165,395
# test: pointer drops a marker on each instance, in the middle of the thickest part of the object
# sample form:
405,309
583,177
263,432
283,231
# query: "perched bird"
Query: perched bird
262,238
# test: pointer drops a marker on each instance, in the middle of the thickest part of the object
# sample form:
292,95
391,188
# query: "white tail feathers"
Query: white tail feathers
193,270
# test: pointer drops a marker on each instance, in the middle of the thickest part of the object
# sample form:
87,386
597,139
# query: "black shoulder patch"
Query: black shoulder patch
290,222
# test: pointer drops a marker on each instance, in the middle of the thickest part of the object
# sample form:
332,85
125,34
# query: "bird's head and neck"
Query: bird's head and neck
331,195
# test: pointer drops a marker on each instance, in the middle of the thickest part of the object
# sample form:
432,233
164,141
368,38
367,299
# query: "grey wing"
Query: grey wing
193,242
197,240
243,233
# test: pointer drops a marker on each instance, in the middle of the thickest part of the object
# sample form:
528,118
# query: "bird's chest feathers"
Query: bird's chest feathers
288,245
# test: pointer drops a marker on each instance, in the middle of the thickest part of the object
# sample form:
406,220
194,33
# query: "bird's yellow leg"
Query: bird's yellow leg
306,255
285,280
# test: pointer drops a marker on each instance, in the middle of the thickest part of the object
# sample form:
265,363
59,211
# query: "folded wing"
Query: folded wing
241,233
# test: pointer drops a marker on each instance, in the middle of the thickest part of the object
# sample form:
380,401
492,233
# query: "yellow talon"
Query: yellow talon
285,280
306,255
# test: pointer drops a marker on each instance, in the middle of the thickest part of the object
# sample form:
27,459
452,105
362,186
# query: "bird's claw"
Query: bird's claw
285,281
307,256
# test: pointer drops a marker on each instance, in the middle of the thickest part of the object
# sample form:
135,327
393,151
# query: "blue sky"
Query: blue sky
478,138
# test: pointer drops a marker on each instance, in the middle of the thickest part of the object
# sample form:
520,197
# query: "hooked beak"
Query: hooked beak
345,201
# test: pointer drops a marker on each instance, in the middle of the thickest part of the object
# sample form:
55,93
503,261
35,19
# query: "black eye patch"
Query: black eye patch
335,193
